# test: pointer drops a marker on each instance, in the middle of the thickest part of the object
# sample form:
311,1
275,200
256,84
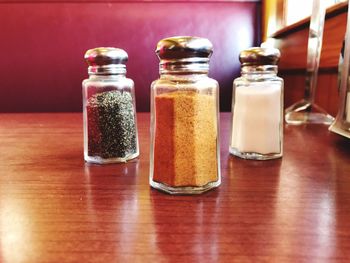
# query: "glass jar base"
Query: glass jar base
100,160
340,127
254,156
305,112
184,190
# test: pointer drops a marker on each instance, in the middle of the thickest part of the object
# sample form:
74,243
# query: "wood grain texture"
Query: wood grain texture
56,208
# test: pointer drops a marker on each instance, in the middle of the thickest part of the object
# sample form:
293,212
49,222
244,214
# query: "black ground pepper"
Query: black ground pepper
111,125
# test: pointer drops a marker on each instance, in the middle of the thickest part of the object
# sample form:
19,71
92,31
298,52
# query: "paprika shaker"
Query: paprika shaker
185,156
110,130
257,106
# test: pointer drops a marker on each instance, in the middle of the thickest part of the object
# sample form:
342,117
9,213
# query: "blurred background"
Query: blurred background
43,42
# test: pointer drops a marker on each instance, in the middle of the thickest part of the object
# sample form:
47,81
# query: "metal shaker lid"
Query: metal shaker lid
184,47
259,56
184,54
106,60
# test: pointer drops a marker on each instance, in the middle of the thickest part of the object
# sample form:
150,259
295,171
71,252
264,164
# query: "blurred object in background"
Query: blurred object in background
278,14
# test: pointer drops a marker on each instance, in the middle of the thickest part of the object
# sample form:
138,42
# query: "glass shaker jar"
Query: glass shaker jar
257,106
110,130
185,155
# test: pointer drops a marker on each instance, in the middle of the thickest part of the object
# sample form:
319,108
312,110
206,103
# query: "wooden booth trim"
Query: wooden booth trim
304,23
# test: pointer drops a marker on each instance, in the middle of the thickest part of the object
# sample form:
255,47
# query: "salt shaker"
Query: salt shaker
184,119
110,130
257,106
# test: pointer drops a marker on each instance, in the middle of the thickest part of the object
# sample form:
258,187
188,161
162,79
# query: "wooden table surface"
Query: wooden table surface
56,208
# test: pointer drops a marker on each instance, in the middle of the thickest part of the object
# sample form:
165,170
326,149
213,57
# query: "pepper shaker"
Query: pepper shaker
110,129
257,106
185,155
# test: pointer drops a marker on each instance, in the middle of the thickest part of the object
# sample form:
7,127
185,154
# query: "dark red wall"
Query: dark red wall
43,43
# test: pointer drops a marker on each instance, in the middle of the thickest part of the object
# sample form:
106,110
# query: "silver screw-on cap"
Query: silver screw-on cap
259,56
184,47
106,60
184,54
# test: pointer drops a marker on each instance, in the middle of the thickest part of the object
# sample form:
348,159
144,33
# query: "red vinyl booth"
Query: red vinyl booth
43,44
